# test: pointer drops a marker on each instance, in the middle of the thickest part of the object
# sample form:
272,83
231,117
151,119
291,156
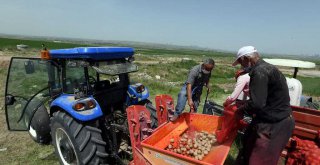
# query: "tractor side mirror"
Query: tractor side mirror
29,67
10,100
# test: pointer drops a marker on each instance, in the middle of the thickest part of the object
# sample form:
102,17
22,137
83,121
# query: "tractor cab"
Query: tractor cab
92,73
100,73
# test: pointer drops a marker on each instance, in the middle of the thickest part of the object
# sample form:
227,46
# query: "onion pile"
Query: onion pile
197,146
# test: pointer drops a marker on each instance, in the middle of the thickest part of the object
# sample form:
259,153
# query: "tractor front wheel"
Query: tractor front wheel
75,142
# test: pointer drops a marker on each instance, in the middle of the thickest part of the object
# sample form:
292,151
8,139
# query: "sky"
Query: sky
278,27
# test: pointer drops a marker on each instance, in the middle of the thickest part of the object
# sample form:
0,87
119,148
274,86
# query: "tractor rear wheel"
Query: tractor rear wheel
75,142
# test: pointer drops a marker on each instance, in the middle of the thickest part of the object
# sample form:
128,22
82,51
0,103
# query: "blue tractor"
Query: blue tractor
76,99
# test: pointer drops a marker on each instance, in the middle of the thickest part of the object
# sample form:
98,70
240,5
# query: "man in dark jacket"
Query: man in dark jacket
269,103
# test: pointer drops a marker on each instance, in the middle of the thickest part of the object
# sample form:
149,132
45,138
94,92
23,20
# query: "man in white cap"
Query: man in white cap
272,126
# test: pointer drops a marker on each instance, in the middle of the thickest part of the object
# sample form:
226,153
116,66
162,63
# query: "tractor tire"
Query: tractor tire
75,142
39,129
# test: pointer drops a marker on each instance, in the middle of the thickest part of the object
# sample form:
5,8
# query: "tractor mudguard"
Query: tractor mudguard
66,102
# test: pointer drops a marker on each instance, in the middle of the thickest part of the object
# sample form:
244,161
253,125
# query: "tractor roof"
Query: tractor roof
95,53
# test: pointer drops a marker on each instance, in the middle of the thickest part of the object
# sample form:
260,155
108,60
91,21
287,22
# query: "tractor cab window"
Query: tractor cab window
54,81
92,77
75,76
111,74
115,67
111,86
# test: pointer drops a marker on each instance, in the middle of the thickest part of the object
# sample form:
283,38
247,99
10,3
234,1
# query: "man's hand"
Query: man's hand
191,105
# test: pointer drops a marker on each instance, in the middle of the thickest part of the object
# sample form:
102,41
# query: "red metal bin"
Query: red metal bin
154,146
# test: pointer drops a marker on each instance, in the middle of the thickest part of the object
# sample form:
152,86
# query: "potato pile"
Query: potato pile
197,146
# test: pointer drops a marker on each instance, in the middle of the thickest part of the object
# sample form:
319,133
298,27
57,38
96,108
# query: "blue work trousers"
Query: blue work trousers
183,98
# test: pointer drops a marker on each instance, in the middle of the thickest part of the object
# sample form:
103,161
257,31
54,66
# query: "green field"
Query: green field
7,43
311,85
172,65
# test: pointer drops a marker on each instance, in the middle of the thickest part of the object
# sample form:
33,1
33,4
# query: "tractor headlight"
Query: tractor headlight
84,104
140,89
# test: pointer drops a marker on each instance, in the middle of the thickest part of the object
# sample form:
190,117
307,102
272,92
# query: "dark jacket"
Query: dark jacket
269,95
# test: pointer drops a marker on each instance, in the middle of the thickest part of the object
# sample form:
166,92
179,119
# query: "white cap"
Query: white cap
242,52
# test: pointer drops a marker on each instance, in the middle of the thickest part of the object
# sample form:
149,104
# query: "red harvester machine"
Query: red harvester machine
151,146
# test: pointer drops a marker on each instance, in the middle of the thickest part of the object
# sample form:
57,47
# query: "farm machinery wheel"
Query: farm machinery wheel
76,143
